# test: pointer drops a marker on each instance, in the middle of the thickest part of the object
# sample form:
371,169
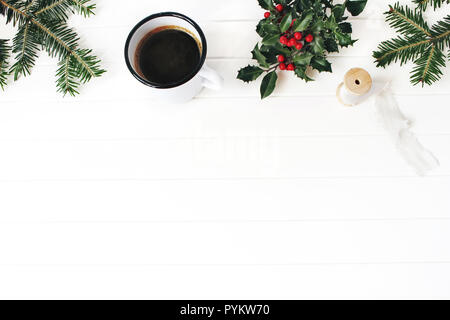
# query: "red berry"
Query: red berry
292,42
283,40
309,38
281,58
291,67
279,7
298,35
299,46
282,66
267,14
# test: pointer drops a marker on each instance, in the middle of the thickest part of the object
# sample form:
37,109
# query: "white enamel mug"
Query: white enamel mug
184,89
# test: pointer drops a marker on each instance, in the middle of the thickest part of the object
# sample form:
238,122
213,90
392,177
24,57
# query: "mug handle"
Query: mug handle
210,78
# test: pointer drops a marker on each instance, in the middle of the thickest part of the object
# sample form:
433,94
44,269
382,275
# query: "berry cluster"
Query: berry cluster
297,36
290,39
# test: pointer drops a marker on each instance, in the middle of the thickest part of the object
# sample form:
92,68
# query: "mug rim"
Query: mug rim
186,78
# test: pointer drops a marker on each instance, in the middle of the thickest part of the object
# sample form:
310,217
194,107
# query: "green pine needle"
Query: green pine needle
42,25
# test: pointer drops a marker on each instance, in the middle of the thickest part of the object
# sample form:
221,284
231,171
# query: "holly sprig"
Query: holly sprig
296,37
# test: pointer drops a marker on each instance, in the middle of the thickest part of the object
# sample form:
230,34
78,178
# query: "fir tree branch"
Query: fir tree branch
419,43
441,33
84,8
60,9
66,78
44,23
402,49
423,4
407,21
29,5
13,10
52,9
428,67
26,48
49,5
4,56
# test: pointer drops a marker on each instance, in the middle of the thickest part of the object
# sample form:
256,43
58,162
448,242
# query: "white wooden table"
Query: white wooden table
111,195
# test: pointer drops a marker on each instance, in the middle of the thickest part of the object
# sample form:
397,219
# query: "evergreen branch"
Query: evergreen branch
428,67
83,7
29,6
60,9
441,33
87,66
13,10
26,48
66,77
51,9
58,39
399,49
407,22
4,56
62,41
423,4
419,43
42,23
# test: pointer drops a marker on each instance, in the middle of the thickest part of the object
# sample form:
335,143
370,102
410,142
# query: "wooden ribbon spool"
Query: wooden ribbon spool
357,82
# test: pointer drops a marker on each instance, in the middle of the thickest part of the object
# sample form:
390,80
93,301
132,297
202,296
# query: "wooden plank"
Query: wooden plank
118,85
243,243
242,34
212,119
205,10
390,281
252,157
226,200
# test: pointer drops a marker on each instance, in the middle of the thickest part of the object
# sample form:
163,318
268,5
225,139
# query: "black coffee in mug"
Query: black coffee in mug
167,55
167,51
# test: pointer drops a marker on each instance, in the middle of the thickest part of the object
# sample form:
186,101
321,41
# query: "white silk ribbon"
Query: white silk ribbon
399,129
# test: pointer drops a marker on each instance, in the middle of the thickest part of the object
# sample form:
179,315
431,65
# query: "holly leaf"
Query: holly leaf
331,45
331,23
266,4
258,56
317,27
338,11
268,84
271,54
277,47
301,73
270,28
303,23
260,28
249,73
303,59
303,5
285,23
355,7
346,27
321,64
344,39
318,45
271,39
